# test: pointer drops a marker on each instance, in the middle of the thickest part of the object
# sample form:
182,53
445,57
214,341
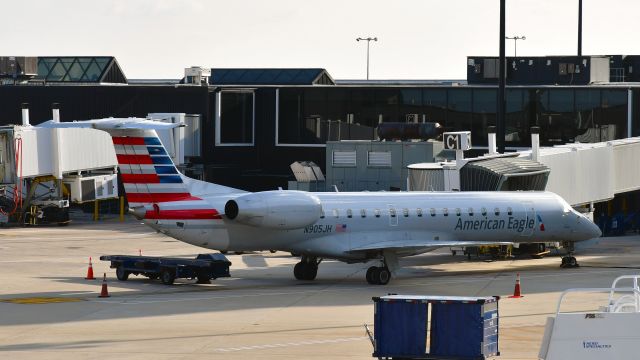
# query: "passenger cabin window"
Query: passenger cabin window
483,211
405,212
392,212
458,211
432,211
445,212
336,213
349,213
376,212
496,211
363,213
419,212
470,211
509,211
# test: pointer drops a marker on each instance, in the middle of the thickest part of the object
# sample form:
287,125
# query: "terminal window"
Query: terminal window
236,119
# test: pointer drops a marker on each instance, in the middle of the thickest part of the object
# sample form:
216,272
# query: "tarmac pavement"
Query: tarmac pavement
49,311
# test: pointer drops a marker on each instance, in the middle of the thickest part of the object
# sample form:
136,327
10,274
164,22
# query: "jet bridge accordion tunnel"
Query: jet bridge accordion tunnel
492,174
503,174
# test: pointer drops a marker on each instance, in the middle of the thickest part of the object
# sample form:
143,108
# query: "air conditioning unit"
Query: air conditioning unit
90,188
197,75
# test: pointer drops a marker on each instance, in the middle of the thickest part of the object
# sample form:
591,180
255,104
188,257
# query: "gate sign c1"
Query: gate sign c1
458,140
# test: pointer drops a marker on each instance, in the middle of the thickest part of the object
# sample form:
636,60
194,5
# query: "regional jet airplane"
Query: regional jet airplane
348,226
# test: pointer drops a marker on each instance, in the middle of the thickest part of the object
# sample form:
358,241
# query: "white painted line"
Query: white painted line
291,344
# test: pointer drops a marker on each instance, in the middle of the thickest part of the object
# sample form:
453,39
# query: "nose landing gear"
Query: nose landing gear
569,261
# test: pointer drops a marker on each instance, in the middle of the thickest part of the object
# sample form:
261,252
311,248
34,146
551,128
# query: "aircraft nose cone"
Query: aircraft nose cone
594,230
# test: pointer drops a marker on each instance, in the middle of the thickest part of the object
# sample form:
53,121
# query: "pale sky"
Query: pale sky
418,39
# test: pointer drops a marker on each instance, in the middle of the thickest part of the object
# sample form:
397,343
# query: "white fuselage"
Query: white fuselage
353,220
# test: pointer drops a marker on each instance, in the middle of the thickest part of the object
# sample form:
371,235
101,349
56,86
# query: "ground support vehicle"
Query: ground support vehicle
204,267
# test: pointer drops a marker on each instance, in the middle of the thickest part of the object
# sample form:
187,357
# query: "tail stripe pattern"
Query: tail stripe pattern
147,172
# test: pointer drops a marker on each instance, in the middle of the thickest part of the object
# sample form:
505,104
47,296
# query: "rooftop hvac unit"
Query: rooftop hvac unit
197,75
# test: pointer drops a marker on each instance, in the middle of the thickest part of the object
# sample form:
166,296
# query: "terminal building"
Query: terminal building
253,123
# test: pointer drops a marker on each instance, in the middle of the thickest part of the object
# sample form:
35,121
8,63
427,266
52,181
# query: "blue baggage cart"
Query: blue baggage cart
460,327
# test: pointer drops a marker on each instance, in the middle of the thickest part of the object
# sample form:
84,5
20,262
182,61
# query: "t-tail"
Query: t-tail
154,187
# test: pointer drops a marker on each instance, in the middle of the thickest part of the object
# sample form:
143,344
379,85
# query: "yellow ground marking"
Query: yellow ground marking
41,300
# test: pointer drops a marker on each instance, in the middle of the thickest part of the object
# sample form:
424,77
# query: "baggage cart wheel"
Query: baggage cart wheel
121,273
167,276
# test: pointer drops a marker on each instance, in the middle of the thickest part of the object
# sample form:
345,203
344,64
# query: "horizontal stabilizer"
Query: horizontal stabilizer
113,124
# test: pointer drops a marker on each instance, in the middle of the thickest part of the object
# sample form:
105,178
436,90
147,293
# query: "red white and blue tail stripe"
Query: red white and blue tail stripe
147,172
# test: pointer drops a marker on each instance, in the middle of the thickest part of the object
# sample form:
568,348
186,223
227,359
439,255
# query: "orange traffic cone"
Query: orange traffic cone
516,290
90,271
104,293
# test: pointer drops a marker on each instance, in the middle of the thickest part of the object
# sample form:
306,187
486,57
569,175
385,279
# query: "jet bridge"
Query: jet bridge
582,174
43,170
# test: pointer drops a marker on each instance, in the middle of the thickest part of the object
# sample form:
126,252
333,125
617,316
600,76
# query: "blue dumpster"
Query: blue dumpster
461,327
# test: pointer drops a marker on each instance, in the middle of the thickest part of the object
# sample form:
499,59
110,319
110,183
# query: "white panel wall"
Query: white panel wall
626,166
580,174
79,149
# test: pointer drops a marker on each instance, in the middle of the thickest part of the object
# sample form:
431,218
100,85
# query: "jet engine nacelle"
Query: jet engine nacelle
285,210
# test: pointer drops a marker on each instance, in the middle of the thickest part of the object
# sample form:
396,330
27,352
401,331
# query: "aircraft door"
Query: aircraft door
530,214
393,216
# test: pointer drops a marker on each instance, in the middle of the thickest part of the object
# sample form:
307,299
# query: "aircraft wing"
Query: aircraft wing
408,245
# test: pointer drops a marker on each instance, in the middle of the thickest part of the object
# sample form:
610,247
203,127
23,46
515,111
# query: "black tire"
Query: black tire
223,252
375,271
121,273
167,276
298,271
572,262
310,271
370,278
273,251
204,279
383,276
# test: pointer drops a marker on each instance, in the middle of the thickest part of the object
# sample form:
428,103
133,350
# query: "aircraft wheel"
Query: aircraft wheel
298,271
310,272
370,275
121,273
383,276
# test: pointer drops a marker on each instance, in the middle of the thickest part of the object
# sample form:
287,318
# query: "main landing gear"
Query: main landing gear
378,275
307,268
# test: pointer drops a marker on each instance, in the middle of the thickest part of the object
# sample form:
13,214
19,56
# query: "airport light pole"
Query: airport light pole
501,100
368,40
515,43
